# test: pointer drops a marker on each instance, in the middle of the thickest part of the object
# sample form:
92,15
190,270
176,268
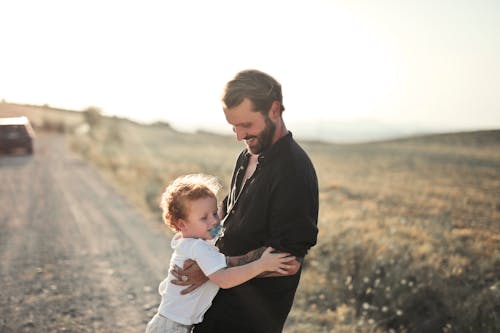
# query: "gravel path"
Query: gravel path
74,255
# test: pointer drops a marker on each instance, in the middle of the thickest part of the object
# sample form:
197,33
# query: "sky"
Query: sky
423,63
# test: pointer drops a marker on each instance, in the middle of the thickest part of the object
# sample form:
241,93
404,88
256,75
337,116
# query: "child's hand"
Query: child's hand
275,262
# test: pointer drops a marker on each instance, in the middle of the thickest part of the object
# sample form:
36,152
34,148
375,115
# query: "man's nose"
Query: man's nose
240,133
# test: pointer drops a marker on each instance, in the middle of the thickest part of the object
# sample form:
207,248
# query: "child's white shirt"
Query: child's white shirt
189,309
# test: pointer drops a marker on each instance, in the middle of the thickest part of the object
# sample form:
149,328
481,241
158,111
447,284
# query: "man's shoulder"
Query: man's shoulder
294,165
294,154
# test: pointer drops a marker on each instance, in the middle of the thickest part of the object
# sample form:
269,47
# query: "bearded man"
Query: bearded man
273,201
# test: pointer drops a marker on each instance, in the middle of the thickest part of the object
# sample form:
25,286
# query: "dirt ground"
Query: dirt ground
75,256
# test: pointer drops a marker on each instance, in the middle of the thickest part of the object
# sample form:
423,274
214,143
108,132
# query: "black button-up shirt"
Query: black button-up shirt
278,207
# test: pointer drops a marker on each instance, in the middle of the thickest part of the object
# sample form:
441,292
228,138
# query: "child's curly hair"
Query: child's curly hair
182,190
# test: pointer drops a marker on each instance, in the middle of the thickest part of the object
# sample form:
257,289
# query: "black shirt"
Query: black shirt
278,207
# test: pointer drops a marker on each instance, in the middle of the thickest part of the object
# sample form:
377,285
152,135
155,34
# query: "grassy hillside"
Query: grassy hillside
409,229
43,117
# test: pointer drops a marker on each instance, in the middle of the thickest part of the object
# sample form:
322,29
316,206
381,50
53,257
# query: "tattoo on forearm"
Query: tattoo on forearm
246,258
251,256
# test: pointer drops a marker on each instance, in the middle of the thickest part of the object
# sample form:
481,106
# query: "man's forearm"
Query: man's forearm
256,254
246,258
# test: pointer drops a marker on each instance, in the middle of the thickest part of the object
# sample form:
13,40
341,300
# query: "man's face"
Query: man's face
256,129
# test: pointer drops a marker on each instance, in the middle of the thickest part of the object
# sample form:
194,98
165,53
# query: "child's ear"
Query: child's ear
180,224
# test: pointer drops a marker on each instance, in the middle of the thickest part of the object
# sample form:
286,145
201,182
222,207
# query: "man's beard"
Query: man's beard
264,138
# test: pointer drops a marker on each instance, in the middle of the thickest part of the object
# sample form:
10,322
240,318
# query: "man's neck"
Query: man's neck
280,132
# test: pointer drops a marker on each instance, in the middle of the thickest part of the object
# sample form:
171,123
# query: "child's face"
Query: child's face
202,216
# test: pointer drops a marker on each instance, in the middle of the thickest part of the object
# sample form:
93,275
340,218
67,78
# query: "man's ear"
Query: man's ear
275,111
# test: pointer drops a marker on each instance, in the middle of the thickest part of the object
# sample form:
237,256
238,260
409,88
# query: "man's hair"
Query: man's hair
260,88
183,190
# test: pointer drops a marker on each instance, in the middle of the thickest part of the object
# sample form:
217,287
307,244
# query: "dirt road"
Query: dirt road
74,255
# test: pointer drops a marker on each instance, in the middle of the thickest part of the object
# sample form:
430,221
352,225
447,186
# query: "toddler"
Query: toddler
189,207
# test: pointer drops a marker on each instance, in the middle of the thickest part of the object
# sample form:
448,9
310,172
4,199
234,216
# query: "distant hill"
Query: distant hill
472,138
352,131
326,131
39,115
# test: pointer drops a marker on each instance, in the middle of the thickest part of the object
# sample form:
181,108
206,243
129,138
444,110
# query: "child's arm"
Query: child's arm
291,269
233,276
196,277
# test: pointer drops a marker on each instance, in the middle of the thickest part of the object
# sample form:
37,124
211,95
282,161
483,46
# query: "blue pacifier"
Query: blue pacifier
216,231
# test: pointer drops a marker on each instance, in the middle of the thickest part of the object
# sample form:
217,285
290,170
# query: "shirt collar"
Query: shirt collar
275,148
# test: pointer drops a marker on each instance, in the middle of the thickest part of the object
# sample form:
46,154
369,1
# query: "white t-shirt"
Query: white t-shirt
189,309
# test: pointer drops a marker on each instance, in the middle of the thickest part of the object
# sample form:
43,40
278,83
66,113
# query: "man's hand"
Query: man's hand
189,275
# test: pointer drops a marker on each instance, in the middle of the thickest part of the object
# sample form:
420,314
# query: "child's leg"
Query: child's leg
160,324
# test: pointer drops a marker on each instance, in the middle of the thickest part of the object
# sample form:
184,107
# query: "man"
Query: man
273,201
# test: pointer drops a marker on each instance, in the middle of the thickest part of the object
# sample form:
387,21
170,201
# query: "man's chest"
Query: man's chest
248,219
249,172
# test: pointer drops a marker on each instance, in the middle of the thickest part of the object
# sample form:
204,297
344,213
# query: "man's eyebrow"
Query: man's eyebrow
243,124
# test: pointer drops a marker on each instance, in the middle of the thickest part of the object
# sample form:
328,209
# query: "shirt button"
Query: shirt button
232,212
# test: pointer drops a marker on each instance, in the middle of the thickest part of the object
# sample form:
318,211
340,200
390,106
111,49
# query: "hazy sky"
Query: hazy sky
431,63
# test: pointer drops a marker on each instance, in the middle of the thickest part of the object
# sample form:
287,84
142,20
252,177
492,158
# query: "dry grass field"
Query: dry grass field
409,229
